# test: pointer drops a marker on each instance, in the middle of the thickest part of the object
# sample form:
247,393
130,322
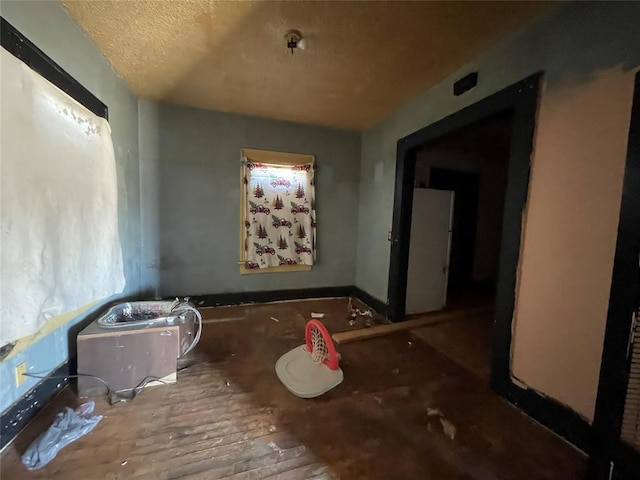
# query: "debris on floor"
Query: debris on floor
279,450
275,447
321,473
448,428
355,313
275,319
67,427
351,310
317,315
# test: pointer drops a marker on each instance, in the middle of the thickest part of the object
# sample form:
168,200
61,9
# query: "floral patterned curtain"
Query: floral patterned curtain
280,214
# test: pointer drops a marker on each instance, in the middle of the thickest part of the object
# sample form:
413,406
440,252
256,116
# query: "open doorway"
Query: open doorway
471,165
516,105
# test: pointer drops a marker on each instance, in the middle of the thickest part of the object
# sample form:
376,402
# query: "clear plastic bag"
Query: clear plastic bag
68,426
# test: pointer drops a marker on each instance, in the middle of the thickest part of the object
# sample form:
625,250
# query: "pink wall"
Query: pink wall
570,235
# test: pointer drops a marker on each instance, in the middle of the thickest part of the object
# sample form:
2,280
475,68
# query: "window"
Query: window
278,216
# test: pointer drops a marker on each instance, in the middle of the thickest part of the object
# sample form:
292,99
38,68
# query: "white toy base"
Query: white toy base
304,378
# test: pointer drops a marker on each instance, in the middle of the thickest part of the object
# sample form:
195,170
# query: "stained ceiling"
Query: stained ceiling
363,59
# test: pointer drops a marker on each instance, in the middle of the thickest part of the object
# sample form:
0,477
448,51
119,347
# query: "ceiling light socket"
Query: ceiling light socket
295,40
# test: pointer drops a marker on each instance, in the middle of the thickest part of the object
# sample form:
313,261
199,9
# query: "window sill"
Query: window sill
280,269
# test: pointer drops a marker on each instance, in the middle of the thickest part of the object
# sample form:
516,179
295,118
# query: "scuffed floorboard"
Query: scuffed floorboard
228,417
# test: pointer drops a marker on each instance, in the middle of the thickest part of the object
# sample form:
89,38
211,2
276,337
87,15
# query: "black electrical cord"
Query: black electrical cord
113,396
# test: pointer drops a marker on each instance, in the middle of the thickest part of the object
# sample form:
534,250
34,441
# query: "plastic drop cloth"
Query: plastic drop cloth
68,426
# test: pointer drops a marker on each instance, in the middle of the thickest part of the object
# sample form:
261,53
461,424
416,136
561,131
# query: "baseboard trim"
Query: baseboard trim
17,416
554,415
237,298
266,296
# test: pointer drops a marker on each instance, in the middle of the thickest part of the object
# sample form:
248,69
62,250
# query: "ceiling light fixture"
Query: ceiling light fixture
295,40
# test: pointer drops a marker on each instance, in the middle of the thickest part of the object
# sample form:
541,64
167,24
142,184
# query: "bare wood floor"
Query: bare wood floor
469,340
229,417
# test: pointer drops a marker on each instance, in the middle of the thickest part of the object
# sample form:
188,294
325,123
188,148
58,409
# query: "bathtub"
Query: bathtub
145,314
135,340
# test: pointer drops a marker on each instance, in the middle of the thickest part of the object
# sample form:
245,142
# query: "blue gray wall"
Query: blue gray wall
47,25
191,215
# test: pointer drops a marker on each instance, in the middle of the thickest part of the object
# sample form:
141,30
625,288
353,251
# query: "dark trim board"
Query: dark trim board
557,417
18,415
521,99
626,462
22,48
265,296
615,366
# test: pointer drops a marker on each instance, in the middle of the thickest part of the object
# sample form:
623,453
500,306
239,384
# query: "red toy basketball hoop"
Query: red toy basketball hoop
311,369
320,345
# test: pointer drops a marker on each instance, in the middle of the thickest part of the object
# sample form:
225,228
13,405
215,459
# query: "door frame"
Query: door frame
521,99
614,370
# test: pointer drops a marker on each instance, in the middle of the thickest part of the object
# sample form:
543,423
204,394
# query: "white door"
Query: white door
431,223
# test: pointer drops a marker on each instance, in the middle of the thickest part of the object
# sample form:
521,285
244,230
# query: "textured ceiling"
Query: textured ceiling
363,59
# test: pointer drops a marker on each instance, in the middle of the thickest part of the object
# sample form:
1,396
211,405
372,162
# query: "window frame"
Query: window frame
277,158
27,52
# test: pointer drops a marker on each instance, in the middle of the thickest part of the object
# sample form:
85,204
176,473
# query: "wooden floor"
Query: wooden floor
467,341
404,411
